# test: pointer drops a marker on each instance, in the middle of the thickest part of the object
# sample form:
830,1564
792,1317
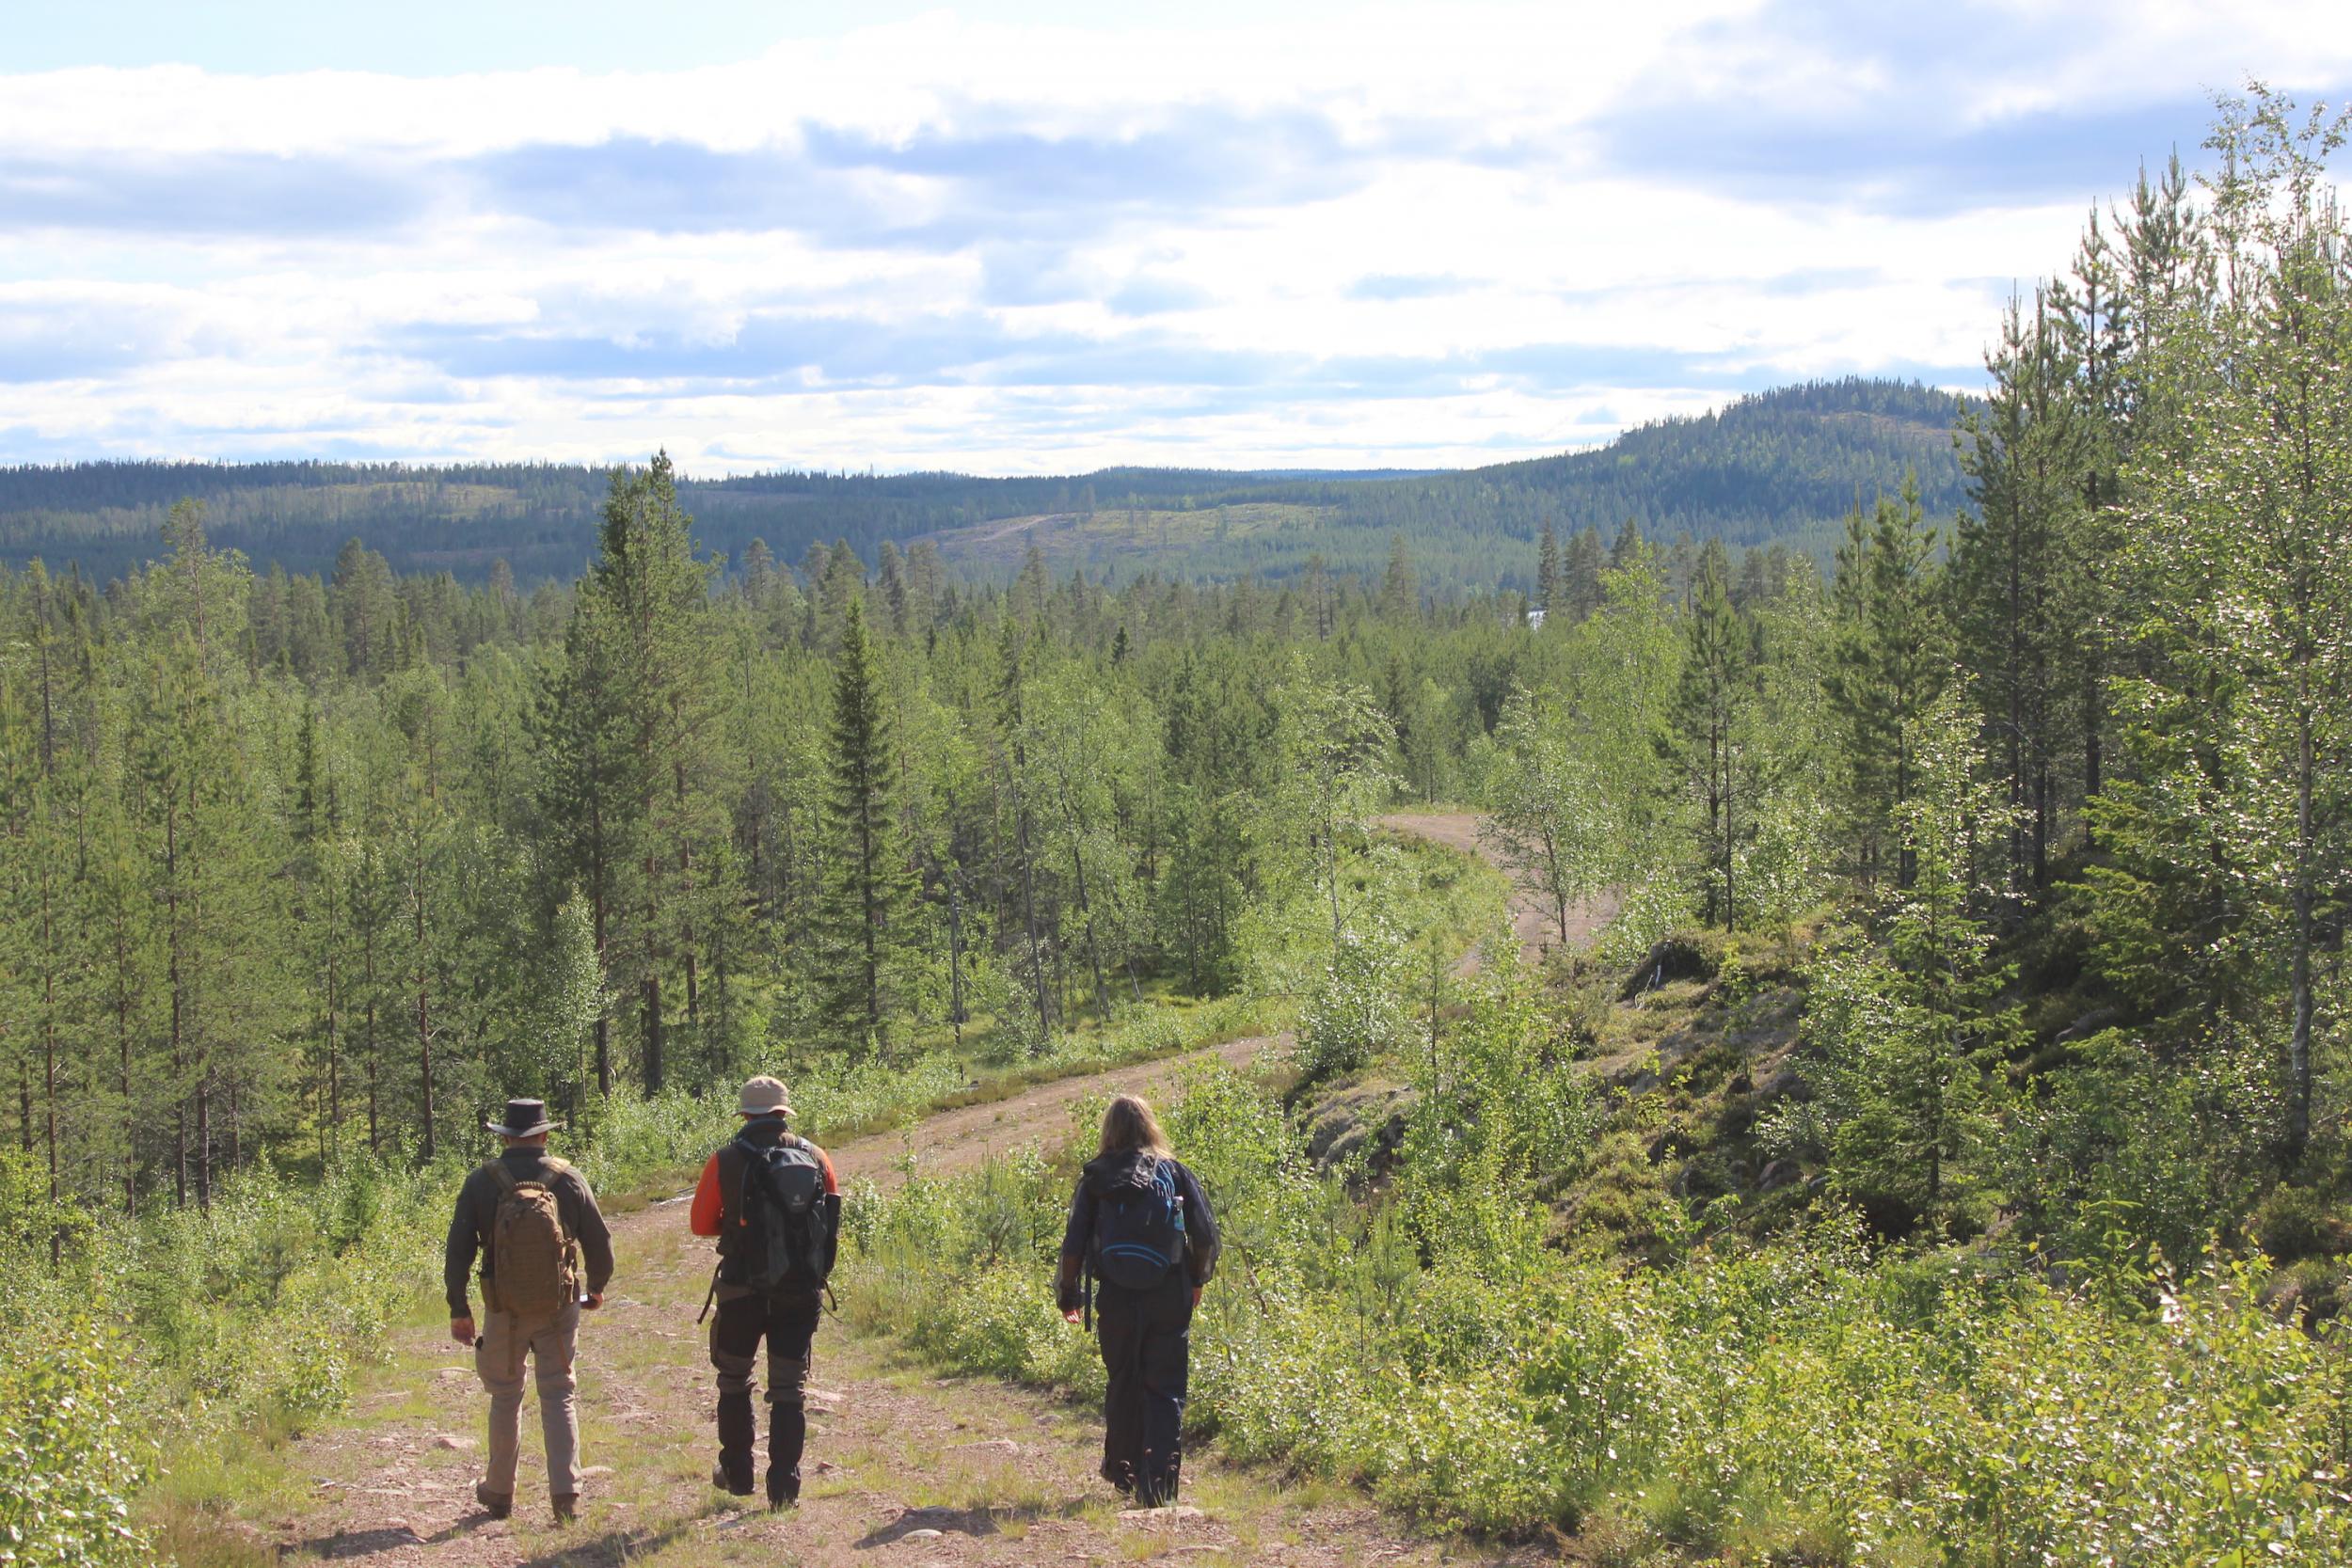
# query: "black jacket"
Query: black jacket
1107,1171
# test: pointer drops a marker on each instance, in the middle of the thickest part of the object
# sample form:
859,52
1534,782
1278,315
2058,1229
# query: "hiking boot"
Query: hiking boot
496,1504
730,1481
566,1506
784,1487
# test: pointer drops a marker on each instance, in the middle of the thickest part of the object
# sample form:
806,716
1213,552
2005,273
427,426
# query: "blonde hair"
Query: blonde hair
1129,1124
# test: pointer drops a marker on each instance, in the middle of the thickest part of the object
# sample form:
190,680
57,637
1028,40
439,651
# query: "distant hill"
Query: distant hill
1779,467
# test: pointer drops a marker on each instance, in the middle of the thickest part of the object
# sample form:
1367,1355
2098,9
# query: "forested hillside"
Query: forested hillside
1780,467
1940,1156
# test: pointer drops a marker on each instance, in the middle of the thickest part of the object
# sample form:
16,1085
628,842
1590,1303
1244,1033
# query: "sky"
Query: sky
1044,237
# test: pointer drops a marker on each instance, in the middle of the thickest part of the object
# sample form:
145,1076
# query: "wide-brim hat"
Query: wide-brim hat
764,1096
525,1119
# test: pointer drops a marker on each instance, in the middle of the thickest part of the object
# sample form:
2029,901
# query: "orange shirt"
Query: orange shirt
709,1208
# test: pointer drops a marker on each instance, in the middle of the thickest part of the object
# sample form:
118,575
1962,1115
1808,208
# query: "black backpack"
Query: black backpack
791,1223
1138,1224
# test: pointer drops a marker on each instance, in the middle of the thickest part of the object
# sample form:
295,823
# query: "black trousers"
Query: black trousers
1147,1349
789,1327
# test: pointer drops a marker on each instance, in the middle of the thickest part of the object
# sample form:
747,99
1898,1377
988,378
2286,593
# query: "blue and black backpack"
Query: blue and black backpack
1138,1224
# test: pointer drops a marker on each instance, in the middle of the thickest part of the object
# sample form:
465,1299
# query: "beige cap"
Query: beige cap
764,1096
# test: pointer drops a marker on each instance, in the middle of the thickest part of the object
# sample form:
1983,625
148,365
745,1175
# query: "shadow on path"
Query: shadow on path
965,1521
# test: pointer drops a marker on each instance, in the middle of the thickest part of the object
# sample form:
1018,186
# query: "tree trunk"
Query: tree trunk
172,983
649,993
123,1048
604,1006
1028,902
2299,982
955,959
205,1136
424,1026
368,1037
48,1025
334,1063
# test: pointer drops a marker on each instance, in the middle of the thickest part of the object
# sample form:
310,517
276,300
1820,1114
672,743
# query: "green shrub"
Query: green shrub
2296,1223
1806,1403
1355,1016
69,1466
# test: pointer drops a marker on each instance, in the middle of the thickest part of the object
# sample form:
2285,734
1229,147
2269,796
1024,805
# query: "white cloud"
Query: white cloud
956,242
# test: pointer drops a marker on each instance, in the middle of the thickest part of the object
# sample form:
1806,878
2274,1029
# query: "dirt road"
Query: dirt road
1531,914
963,1138
904,1467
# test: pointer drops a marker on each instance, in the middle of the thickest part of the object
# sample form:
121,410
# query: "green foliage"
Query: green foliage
1777,464
1802,1399
68,1465
1355,1014
864,936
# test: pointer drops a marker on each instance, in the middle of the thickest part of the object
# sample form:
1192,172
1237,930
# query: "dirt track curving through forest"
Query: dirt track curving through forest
1532,917
961,1139
903,1468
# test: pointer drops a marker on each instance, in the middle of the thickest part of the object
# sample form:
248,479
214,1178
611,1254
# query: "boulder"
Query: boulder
1364,1120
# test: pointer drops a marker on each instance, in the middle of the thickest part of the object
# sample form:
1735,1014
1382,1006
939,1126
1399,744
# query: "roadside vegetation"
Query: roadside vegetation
1940,1156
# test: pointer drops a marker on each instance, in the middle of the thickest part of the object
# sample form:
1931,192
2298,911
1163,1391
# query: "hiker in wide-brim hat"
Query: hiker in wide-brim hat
525,1119
773,1202
546,1258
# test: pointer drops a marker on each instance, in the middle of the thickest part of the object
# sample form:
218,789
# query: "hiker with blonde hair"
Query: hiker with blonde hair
1140,1228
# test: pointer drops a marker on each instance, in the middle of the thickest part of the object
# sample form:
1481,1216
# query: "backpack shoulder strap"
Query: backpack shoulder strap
501,1175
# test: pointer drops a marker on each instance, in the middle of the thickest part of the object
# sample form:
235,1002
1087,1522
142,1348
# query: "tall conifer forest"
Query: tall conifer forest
1939,1154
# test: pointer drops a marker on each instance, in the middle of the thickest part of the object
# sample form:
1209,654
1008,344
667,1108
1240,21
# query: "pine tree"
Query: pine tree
1628,547
1547,571
2017,587
1909,1041
1581,572
584,793
650,626
1716,689
1013,769
1891,656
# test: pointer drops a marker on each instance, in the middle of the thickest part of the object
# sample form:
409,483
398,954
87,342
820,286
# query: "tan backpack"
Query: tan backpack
533,1271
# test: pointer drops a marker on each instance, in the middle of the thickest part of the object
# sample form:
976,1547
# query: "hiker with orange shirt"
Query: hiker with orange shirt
773,1202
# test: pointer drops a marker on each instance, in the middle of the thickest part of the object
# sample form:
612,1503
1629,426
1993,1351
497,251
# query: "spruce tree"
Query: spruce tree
1400,596
866,918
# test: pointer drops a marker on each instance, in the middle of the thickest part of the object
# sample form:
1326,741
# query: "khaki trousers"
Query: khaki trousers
549,1339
